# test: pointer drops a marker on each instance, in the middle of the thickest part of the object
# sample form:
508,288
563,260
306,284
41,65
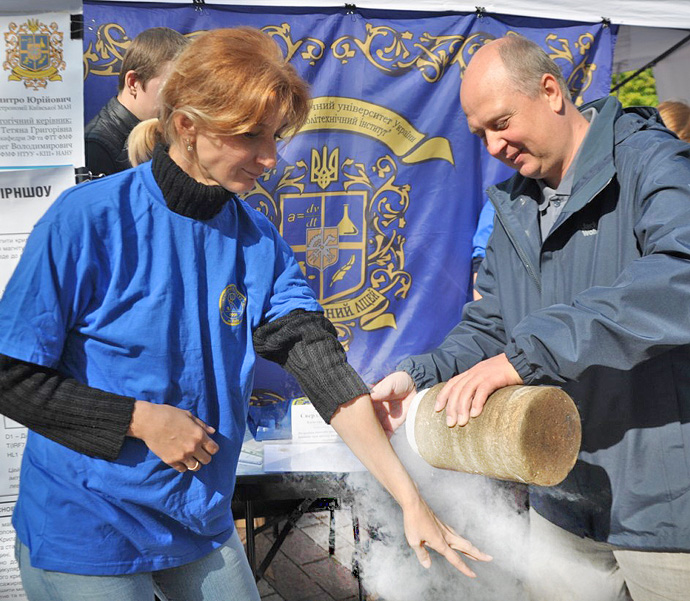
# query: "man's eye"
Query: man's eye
251,134
502,125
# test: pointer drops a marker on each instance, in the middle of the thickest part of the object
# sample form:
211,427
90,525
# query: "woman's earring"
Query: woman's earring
190,148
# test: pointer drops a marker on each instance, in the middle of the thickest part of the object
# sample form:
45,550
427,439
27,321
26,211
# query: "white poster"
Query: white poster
11,448
41,92
25,194
10,581
13,440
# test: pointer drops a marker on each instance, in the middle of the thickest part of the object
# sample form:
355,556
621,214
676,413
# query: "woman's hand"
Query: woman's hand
423,529
358,427
176,436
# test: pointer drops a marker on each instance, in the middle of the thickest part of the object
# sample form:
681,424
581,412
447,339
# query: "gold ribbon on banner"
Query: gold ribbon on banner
368,307
382,124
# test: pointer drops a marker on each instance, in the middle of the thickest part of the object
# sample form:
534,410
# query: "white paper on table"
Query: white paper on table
310,457
252,452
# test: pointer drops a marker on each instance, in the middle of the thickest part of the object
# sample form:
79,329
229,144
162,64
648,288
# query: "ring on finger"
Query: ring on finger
196,466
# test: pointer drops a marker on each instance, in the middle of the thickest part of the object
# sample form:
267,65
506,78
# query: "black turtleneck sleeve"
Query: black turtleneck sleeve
85,419
305,344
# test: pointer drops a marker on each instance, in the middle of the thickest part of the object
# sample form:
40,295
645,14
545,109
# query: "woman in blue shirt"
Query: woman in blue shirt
134,320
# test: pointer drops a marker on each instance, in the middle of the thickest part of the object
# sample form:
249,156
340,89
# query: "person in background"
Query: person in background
485,226
676,116
145,66
129,332
585,285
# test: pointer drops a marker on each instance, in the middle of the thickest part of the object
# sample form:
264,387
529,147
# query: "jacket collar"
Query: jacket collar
595,167
119,112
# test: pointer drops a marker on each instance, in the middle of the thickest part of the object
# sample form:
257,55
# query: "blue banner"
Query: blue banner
380,192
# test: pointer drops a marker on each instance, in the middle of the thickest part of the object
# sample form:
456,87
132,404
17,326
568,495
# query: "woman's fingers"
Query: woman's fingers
467,548
189,465
205,426
179,438
422,555
423,529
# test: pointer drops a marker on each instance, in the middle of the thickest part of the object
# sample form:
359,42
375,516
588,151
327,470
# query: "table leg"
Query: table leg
356,569
331,529
291,521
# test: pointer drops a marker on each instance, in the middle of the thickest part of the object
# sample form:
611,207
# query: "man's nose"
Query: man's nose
495,144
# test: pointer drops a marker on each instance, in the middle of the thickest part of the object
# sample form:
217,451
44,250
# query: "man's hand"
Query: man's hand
180,439
392,397
464,395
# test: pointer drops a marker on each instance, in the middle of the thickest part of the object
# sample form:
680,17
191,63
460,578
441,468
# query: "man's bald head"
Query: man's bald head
522,61
515,99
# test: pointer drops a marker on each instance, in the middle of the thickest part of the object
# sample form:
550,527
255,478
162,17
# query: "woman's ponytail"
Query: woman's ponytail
142,140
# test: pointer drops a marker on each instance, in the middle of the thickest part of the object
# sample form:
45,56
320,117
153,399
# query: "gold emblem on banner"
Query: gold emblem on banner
348,236
580,77
324,167
33,53
322,247
396,52
104,57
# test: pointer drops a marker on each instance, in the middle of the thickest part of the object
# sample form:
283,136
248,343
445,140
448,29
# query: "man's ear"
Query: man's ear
131,81
552,92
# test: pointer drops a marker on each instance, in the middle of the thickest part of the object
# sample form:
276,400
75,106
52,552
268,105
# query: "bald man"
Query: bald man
585,285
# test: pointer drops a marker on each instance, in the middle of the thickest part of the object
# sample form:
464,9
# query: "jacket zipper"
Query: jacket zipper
521,253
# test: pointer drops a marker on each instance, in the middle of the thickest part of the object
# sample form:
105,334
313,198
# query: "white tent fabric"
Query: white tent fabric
648,27
645,13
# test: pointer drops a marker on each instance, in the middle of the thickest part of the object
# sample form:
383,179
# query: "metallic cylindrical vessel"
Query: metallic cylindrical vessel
525,434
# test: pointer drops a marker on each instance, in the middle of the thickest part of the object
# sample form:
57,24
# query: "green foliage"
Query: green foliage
639,91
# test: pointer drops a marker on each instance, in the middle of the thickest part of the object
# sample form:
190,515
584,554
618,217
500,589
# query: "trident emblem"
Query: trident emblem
324,168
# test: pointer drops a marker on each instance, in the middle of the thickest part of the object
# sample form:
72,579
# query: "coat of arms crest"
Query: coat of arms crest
34,53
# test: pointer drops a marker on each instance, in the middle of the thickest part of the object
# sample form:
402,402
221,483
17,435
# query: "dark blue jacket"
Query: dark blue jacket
601,308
